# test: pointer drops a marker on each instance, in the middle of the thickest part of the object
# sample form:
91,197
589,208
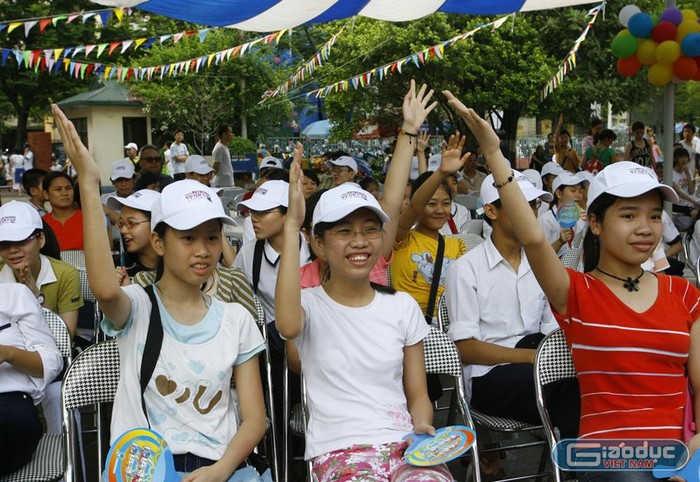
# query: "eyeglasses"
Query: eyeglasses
8,244
341,169
150,159
128,224
263,213
347,234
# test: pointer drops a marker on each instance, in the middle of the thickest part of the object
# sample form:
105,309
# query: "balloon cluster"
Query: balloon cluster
668,45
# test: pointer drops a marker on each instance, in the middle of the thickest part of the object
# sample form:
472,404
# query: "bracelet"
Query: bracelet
409,134
499,186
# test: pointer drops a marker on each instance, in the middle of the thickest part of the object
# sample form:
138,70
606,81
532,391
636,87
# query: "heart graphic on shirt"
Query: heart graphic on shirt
165,386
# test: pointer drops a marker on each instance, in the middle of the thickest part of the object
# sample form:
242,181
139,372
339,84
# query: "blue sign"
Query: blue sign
619,454
245,163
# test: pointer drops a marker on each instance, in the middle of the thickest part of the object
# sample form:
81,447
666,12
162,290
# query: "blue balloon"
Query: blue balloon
640,25
691,45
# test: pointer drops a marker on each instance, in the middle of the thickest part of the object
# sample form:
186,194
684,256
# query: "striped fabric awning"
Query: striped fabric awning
270,15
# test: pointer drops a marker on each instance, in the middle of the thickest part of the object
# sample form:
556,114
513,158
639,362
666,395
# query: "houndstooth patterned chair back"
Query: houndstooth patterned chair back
76,258
554,361
441,355
60,332
92,377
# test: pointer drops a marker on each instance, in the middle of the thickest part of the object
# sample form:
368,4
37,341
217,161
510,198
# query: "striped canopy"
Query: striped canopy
271,15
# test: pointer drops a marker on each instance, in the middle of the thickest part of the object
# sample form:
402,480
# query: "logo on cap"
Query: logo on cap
641,170
353,195
262,191
195,195
8,219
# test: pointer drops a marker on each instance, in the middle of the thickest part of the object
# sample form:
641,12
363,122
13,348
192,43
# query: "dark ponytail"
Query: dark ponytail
591,243
160,230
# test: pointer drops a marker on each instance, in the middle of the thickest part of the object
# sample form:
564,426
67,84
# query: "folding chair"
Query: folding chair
471,240
572,258
76,258
475,226
692,259
498,424
60,332
552,363
271,450
91,379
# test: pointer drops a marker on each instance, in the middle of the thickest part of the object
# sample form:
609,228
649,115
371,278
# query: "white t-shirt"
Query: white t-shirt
269,267
552,230
24,327
189,397
353,368
221,154
681,180
248,231
29,160
460,215
692,148
433,165
488,301
178,150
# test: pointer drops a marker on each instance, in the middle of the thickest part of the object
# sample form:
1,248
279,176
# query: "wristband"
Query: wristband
409,134
499,186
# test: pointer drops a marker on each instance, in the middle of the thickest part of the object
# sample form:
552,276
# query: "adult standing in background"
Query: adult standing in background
150,161
28,157
16,164
690,143
132,153
179,155
222,157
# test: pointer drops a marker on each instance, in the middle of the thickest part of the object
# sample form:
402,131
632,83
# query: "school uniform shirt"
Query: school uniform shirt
488,301
227,284
269,267
70,234
474,182
460,215
414,262
630,366
58,281
552,230
189,397
353,367
248,231
178,150
22,325
693,148
681,180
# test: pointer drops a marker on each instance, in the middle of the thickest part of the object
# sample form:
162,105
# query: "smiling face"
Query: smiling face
20,254
629,231
436,212
352,246
60,193
135,229
190,256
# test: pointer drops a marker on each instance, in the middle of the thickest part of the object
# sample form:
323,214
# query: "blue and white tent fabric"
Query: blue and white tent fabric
270,15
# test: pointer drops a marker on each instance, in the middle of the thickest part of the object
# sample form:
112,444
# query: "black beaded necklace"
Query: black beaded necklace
630,284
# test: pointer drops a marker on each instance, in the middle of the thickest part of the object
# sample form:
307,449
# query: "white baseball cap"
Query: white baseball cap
552,168
122,169
586,176
269,195
18,220
142,200
489,194
534,177
186,204
338,202
270,161
346,161
567,179
198,164
131,145
627,179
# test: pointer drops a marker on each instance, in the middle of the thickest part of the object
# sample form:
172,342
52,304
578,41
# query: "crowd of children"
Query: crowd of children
349,279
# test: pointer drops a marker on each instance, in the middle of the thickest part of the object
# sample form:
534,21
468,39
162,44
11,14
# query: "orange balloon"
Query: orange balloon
629,66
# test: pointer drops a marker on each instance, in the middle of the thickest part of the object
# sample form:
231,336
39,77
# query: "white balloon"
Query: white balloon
627,12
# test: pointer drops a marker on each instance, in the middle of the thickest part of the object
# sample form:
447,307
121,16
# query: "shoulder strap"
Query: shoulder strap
257,262
437,271
151,350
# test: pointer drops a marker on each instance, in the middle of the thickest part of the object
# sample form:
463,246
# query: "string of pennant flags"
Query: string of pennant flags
418,58
120,46
38,60
101,17
569,62
305,70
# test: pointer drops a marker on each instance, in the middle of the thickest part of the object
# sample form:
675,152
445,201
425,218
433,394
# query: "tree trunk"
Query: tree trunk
509,124
22,119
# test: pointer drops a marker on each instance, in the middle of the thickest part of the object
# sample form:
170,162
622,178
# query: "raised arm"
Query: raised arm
98,255
422,143
288,312
415,110
452,161
548,270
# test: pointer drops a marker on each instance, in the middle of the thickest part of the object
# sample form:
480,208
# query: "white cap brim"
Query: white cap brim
344,211
191,218
16,234
637,189
261,204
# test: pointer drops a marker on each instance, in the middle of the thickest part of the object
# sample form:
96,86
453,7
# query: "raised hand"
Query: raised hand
482,130
415,107
81,159
452,158
423,140
297,204
27,278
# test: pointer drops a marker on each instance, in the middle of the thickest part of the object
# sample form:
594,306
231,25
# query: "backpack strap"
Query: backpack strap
257,262
437,271
151,349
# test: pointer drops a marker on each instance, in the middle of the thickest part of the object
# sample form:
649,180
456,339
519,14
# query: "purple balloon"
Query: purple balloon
672,15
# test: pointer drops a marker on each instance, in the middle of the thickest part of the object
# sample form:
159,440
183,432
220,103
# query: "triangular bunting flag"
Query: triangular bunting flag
70,18
57,53
119,13
126,44
138,42
50,63
177,37
48,53
67,51
101,48
163,38
13,26
27,57
77,50
87,16
105,16
203,35
28,26
112,46
89,49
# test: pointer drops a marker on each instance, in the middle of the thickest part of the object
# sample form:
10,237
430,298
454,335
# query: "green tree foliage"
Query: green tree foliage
227,93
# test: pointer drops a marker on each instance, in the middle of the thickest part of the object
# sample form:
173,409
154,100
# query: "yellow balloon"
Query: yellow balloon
668,52
646,52
689,15
686,27
624,31
660,74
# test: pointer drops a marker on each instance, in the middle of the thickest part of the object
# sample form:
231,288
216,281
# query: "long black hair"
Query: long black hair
591,244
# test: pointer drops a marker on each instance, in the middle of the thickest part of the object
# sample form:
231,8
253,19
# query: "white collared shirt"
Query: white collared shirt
46,274
488,301
269,269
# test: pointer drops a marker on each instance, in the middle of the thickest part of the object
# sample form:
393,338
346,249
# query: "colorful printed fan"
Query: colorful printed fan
447,444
